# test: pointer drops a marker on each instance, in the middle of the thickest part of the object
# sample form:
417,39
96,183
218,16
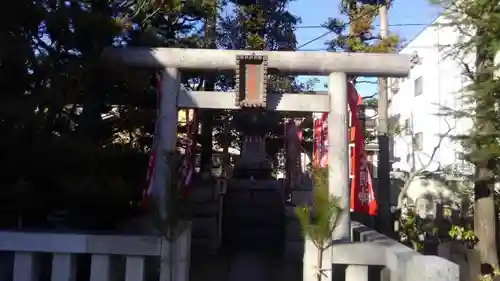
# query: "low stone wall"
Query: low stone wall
404,263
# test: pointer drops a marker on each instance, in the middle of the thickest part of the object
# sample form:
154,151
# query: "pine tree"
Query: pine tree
59,89
358,34
319,220
268,26
478,23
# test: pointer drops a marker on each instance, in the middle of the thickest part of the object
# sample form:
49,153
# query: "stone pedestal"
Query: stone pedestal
204,209
253,216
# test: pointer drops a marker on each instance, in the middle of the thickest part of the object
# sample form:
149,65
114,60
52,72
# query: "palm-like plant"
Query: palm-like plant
319,220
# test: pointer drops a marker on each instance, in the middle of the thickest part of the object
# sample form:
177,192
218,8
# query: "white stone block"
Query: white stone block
134,268
310,263
25,267
175,257
63,267
431,268
100,268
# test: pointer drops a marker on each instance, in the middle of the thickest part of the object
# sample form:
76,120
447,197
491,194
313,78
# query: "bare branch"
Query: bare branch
467,69
370,96
200,84
415,173
367,82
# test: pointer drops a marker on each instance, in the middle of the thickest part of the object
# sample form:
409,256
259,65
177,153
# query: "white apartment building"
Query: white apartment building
416,102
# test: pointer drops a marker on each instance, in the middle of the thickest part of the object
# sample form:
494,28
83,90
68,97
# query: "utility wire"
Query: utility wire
392,25
329,32
315,39
404,47
412,47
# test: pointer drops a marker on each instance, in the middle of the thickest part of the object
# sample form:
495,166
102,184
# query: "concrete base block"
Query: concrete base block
431,268
310,263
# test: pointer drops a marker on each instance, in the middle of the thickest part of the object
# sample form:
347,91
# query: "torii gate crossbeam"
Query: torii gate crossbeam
286,62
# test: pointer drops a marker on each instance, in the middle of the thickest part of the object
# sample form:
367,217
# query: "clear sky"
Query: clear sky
406,18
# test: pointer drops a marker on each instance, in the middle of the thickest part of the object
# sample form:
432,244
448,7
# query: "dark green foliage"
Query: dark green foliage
358,35
259,27
177,215
478,24
60,153
479,97
319,221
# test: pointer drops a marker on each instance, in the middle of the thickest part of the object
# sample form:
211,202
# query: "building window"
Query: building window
407,127
395,86
418,86
409,159
418,141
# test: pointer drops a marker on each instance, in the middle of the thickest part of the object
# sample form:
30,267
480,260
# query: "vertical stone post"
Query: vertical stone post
338,177
338,161
175,253
167,135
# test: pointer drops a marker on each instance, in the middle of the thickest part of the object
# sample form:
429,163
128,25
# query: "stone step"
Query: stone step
263,214
254,238
204,227
203,245
247,184
201,195
206,266
247,266
205,209
254,197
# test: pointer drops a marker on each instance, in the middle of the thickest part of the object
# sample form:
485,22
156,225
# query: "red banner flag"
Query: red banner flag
362,197
362,193
188,161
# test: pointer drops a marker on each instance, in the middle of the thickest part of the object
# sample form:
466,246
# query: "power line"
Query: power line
315,39
404,47
329,32
392,25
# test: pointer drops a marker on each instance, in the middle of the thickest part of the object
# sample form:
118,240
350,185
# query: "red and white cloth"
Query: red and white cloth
188,161
362,196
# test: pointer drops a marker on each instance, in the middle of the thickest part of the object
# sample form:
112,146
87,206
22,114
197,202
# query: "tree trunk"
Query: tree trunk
485,216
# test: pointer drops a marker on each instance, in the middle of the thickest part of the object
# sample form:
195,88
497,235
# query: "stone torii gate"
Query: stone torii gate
251,68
